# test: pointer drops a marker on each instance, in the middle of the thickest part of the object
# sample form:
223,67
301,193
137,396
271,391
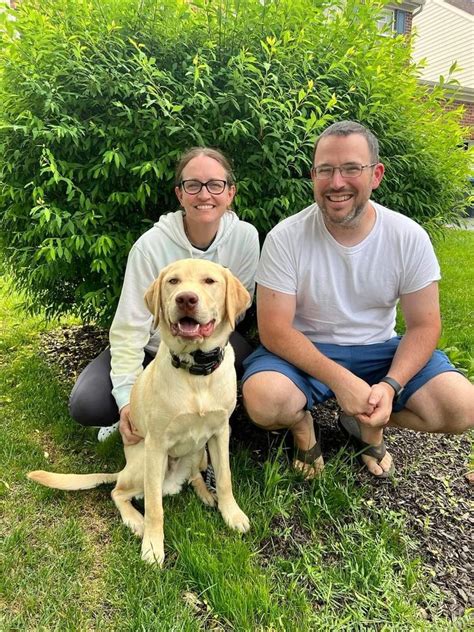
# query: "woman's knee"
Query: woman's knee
80,411
92,409
91,402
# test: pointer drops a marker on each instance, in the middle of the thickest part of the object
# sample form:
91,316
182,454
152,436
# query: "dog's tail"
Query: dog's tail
71,481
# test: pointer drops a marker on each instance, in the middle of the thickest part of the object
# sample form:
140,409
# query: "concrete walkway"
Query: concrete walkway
468,224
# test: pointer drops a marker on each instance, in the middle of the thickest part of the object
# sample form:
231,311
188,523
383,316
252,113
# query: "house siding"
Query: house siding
444,34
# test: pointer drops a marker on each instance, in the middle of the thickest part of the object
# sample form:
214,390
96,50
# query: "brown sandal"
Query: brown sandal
308,458
350,426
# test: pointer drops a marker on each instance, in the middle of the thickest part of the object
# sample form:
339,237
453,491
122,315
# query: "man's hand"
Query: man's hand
381,399
126,427
353,396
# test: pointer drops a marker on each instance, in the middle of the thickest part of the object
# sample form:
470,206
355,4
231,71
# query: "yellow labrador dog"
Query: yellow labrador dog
180,403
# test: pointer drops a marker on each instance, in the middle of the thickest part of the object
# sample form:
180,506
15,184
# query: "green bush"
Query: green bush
98,98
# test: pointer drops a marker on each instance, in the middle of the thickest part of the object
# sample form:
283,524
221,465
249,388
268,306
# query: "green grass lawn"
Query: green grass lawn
69,564
456,255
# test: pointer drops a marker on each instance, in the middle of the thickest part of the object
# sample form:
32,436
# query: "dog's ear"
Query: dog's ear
237,298
152,300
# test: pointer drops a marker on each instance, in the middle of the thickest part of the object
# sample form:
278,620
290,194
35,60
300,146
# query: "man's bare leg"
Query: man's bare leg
445,404
274,402
374,436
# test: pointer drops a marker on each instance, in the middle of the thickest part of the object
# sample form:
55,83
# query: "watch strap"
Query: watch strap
398,388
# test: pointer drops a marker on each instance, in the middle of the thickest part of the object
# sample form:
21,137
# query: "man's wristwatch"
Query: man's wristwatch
398,388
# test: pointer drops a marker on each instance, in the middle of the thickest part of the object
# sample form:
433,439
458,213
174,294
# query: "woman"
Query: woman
205,228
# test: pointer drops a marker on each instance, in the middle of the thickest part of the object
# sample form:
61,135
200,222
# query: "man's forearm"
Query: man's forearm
414,351
352,393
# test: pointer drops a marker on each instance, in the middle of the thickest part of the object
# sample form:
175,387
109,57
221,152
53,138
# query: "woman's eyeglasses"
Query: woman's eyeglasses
193,187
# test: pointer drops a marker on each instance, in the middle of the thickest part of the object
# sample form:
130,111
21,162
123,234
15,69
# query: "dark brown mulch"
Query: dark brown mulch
430,486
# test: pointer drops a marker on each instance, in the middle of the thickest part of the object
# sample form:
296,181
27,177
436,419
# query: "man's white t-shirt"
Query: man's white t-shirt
347,295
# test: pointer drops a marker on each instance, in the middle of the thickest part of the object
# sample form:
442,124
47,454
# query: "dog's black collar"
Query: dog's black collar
204,362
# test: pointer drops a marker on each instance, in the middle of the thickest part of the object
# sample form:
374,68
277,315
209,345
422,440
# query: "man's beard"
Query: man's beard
351,220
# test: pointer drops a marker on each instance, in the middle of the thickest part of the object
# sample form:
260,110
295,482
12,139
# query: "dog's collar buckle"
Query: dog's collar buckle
204,362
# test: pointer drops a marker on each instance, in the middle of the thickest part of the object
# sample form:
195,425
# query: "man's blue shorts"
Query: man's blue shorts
369,362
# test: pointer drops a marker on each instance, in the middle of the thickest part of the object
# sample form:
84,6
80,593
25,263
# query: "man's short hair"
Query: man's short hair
346,128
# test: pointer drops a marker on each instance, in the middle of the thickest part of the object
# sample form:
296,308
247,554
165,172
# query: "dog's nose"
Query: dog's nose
187,300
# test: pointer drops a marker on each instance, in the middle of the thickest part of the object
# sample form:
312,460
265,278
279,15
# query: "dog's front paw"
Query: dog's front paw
236,519
136,526
152,551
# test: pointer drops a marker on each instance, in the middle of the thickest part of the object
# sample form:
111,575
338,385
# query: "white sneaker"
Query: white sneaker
105,432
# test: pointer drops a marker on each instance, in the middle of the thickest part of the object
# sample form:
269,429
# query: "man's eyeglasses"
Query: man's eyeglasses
346,171
193,187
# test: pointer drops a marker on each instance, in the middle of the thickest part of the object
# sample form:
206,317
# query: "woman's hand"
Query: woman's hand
126,427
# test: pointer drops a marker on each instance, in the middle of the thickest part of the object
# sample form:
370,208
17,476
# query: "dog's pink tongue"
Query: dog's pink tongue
188,327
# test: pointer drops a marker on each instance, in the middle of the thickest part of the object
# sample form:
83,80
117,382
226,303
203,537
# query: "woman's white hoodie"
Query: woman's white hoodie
235,246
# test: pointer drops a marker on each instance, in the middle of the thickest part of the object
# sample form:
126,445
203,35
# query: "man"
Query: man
329,280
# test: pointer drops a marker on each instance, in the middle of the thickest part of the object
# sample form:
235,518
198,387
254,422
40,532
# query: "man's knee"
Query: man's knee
458,409
461,418
254,397
271,399
445,404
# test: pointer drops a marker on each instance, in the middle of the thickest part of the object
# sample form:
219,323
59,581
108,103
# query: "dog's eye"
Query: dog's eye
173,281
209,281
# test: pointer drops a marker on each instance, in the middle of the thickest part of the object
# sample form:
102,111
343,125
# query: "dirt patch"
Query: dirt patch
70,349
430,487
